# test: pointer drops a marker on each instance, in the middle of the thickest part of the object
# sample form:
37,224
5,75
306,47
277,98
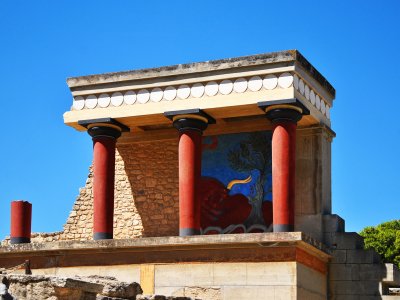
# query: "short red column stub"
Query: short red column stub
21,219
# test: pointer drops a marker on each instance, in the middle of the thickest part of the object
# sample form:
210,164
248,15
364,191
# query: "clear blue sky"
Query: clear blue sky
354,44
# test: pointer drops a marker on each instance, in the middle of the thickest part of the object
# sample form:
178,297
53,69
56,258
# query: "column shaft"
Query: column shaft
283,175
189,178
103,186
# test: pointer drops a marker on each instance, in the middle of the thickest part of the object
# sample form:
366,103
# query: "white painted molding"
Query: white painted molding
255,83
301,86
129,97
225,87
91,101
270,82
327,111
197,90
183,91
240,85
170,93
207,89
312,97
307,92
143,96
156,95
117,99
296,81
317,102
323,107
78,103
211,88
285,80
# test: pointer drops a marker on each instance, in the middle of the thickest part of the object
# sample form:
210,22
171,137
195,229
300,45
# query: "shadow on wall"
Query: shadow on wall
152,171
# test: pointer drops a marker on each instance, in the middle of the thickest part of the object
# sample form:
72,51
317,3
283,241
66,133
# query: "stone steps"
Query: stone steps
344,240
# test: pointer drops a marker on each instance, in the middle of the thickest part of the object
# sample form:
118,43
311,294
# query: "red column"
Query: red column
104,141
283,175
191,129
189,177
284,119
21,217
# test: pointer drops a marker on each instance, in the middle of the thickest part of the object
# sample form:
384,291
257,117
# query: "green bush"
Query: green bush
385,240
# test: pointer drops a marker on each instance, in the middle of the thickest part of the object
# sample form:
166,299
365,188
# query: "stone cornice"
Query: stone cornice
284,58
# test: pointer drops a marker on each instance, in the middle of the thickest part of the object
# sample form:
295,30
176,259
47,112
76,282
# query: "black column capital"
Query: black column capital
284,110
283,113
191,119
104,127
101,130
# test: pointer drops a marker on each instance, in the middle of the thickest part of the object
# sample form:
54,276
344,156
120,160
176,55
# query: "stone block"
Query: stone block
311,282
333,223
339,256
230,274
245,292
345,297
342,287
391,274
344,240
306,294
372,272
344,272
283,293
360,256
311,225
278,273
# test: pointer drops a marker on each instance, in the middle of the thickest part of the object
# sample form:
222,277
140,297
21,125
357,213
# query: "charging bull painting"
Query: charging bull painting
236,183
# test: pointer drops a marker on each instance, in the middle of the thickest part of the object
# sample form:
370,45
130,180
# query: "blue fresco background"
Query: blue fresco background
215,163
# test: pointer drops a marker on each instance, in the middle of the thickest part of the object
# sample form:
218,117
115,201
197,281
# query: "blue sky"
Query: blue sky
354,44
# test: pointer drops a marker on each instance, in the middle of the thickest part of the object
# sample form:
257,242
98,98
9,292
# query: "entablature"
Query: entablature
228,90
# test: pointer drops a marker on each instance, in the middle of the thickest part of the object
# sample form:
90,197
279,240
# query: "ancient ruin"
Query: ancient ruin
210,180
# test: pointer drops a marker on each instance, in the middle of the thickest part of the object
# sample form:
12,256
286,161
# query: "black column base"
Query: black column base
188,231
19,240
102,236
283,227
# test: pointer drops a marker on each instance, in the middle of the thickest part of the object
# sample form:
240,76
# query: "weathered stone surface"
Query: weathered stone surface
160,297
64,288
204,293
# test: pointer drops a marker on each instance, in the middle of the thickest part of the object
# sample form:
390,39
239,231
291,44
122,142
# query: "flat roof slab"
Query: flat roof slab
227,90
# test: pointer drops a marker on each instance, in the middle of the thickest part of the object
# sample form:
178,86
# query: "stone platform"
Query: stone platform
234,266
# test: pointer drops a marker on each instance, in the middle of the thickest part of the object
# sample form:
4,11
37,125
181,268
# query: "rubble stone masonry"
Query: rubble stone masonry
146,194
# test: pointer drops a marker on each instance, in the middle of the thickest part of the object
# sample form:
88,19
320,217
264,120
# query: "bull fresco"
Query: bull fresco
236,184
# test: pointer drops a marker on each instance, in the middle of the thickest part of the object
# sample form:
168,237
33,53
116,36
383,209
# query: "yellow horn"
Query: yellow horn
238,181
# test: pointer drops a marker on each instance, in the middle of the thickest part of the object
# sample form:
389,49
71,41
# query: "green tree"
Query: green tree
385,240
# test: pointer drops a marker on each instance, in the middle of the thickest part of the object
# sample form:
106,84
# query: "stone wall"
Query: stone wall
146,194
39,237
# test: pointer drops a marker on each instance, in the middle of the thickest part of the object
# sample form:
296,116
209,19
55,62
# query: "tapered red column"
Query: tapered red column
21,218
190,142
284,118
104,140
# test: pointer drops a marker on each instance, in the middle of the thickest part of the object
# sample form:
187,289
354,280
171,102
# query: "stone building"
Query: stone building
210,180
